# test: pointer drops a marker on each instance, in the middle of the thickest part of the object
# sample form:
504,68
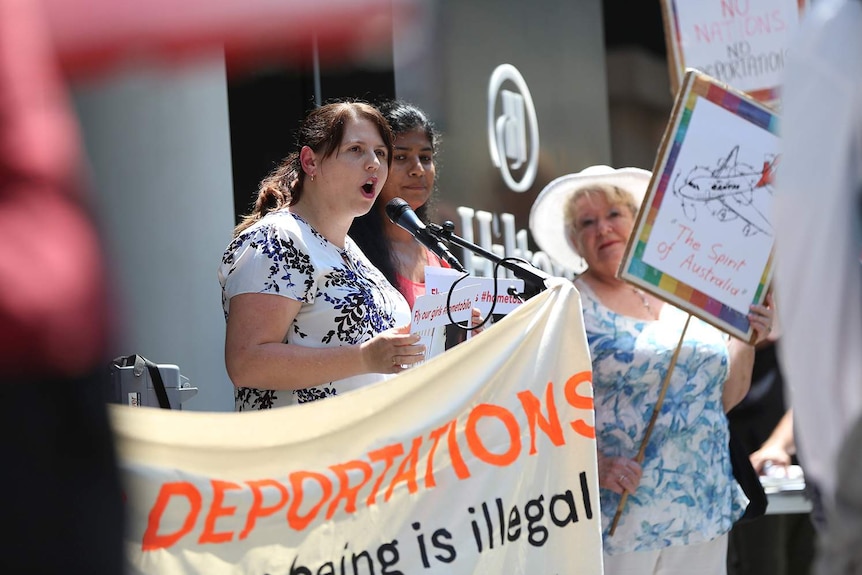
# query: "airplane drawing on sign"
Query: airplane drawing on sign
729,192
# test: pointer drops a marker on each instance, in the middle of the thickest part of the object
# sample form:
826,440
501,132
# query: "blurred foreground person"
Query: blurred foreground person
818,275
60,490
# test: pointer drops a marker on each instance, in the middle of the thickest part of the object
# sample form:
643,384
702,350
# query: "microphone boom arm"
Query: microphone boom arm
533,277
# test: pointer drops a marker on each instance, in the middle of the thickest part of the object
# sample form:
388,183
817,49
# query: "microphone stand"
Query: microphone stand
534,278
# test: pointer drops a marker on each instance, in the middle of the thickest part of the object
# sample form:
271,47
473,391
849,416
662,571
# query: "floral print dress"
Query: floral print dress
346,300
687,493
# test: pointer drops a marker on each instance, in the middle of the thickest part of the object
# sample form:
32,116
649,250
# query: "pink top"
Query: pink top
411,289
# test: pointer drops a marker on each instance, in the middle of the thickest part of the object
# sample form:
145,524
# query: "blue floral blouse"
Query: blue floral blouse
346,300
687,493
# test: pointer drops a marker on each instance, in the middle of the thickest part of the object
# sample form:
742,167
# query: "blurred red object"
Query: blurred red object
54,309
94,36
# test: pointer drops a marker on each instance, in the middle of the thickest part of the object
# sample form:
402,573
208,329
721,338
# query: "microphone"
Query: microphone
402,215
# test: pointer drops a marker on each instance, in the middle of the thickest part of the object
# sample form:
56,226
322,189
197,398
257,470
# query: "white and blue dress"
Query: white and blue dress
346,300
687,493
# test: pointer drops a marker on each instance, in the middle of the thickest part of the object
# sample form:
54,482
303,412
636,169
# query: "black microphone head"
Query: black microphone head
395,207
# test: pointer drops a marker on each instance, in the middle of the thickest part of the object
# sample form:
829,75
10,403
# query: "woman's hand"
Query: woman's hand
778,448
476,319
256,356
392,351
769,456
762,318
619,474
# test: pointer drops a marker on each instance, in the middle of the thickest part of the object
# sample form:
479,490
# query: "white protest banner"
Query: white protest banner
439,280
482,460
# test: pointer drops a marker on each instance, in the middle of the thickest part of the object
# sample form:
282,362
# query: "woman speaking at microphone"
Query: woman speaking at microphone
308,316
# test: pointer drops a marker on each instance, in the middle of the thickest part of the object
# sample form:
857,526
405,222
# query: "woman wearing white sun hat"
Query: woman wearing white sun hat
683,499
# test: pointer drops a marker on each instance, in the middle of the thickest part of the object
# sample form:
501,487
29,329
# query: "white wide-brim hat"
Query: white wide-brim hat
547,216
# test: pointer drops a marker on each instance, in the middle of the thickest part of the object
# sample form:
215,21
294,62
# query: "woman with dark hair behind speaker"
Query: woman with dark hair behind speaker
308,315
413,178
393,250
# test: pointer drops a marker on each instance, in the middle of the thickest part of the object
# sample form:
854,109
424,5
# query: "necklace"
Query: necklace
644,300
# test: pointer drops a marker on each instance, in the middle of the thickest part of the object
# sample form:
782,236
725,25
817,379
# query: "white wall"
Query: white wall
158,142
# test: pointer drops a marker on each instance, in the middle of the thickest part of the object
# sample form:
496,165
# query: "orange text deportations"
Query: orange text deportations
307,496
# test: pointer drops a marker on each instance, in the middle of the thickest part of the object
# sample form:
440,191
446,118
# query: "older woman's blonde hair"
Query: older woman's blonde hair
614,195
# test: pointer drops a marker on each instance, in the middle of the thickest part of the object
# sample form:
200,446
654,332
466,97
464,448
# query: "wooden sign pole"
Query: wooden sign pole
655,412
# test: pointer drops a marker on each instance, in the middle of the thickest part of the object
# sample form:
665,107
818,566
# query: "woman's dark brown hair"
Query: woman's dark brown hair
322,130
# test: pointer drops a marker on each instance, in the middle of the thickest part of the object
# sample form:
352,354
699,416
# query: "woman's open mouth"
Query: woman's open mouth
368,187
